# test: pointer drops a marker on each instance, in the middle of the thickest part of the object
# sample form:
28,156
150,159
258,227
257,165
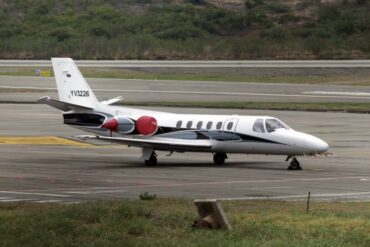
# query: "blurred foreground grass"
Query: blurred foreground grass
167,222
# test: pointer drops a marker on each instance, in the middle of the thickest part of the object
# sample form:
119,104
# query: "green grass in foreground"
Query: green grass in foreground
361,107
360,79
166,222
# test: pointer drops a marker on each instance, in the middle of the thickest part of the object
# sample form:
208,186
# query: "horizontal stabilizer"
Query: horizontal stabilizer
112,101
63,106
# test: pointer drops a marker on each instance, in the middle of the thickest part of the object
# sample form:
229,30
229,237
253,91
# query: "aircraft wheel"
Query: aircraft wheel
219,158
152,161
294,165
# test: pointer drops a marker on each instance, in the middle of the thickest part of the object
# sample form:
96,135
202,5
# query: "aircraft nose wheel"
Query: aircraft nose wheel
152,161
294,165
219,158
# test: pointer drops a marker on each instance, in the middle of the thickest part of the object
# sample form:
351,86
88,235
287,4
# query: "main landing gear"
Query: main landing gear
219,158
152,161
294,164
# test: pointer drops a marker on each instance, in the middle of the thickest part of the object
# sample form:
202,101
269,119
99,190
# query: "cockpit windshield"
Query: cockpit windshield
273,124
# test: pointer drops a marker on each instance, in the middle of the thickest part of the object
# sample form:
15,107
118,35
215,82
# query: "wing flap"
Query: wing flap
159,143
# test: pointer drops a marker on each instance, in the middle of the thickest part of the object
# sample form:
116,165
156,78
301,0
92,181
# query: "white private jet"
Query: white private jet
152,130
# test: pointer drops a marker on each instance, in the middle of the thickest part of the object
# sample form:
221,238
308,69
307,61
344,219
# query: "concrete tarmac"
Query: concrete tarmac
33,88
70,172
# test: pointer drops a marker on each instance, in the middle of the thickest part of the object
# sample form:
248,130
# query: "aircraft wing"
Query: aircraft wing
158,143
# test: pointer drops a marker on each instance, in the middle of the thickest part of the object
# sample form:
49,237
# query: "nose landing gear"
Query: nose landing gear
294,164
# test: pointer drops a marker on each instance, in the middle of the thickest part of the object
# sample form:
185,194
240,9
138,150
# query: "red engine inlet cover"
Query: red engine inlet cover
111,124
146,125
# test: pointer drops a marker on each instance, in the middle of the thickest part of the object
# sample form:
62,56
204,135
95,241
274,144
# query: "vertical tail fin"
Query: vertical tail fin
72,86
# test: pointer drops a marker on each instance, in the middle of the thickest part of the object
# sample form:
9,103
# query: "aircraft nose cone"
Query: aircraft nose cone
321,146
312,144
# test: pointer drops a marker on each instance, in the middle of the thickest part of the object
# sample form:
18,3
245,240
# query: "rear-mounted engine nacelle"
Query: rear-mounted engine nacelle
119,124
146,125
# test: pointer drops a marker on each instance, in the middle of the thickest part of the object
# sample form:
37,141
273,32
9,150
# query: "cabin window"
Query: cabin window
219,125
199,125
179,123
258,126
189,124
209,125
229,126
274,124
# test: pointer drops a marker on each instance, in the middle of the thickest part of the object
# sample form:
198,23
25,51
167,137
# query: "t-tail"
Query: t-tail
72,86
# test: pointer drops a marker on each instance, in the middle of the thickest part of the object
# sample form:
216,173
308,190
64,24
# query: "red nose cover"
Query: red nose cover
146,125
111,124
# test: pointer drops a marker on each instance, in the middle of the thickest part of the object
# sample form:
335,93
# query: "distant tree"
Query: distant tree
250,4
197,1
360,2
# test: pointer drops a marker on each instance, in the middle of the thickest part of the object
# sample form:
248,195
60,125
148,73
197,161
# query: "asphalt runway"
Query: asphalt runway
32,88
35,167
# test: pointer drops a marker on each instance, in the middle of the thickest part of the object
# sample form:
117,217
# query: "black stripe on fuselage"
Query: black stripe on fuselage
249,138
200,135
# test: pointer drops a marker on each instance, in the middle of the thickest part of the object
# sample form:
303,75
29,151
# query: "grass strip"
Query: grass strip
348,107
359,79
166,222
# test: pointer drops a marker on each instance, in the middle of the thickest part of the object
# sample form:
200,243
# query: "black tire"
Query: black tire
152,161
294,165
219,158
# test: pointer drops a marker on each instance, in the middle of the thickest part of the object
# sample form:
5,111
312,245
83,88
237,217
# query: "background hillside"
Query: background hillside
185,29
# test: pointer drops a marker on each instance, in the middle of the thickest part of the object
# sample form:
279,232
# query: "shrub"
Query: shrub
147,196
62,33
275,33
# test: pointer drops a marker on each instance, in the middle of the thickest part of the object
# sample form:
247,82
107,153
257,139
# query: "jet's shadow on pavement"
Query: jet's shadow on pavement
261,165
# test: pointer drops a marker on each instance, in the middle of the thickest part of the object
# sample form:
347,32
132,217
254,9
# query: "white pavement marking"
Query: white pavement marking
97,191
32,88
77,192
4,198
31,193
47,201
339,93
116,188
206,93
15,200
327,196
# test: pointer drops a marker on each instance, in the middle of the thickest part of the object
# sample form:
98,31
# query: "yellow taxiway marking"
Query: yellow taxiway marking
40,140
